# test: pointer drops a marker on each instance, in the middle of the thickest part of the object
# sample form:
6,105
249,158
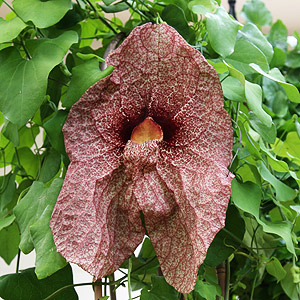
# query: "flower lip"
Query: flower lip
146,131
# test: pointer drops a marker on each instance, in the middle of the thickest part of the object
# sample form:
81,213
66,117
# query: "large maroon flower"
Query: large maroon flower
153,137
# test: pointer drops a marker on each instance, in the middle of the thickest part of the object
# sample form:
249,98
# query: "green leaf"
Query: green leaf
293,60
6,221
235,73
290,148
277,165
275,269
279,58
26,286
51,165
20,98
84,76
8,195
247,197
255,12
233,89
54,127
291,91
287,283
10,131
42,13
278,35
227,240
246,53
10,29
253,94
219,66
9,241
31,207
48,260
202,6
175,17
251,145
251,33
283,192
89,56
267,133
114,8
207,290
29,161
160,290
222,31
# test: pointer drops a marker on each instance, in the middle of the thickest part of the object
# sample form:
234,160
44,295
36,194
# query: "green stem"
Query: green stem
12,9
18,261
100,17
240,241
17,156
136,10
25,49
253,286
129,277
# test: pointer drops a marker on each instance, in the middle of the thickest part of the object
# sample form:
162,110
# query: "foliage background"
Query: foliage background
47,62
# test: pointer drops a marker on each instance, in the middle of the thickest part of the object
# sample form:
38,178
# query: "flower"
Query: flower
153,137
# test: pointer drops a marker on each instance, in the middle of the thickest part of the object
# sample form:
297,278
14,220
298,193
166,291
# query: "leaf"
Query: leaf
114,8
291,91
278,35
25,285
84,76
267,133
54,127
283,192
253,94
287,283
31,207
233,89
290,148
247,197
5,222
255,12
8,195
48,260
9,241
202,6
251,33
235,73
292,60
42,13
279,58
10,131
160,290
175,17
275,269
222,31
251,145
224,244
51,165
20,98
219,66
206,290
29,161
10,29
246,53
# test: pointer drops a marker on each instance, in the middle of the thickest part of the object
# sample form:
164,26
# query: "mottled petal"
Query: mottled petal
201,197
96,221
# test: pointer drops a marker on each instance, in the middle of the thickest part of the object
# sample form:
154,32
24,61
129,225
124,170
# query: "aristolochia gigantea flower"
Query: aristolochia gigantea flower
153,137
